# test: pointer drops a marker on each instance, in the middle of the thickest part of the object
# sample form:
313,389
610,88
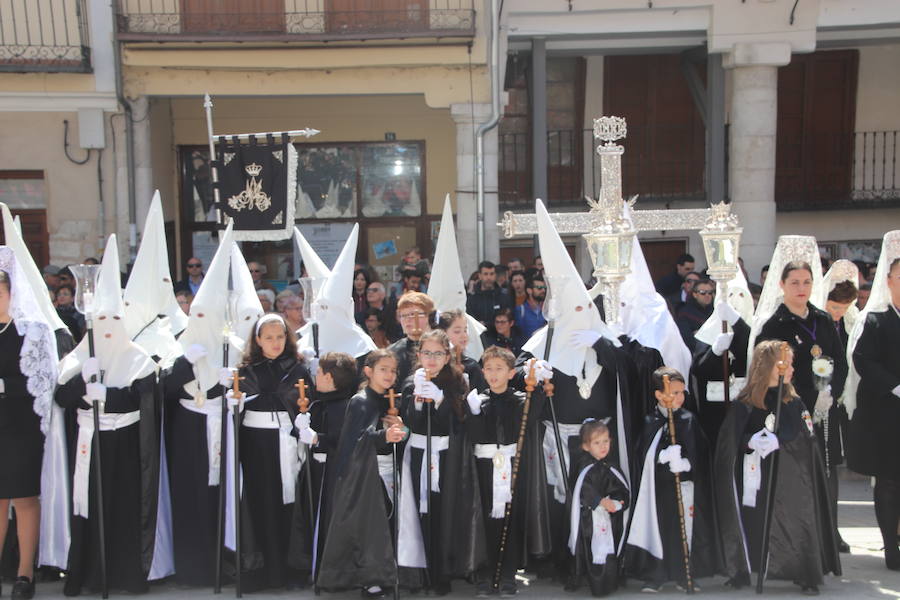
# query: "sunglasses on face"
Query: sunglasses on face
193,266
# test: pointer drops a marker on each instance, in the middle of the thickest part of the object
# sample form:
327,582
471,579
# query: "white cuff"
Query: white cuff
896,391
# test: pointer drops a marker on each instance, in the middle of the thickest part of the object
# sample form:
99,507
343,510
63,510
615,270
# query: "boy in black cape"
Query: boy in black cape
494,422
597,514
320,430
358,549
654,551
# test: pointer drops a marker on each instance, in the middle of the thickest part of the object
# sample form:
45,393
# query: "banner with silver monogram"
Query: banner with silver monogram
257,181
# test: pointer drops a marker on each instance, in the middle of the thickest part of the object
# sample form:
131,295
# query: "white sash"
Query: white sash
386,471
108,422
289,459
551,461
502,474
212,408
439,443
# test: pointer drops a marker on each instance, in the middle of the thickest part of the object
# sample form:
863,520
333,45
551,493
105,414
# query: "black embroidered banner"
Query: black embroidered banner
257,186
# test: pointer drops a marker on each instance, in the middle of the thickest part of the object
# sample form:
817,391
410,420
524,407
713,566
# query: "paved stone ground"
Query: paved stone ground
865,575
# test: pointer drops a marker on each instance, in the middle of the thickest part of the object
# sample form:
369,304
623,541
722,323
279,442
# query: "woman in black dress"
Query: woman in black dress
22,448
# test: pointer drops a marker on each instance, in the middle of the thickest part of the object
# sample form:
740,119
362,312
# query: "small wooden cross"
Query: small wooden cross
302,401
237,384
392,409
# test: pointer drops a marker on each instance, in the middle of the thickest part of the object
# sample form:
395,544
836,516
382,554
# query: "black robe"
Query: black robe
572,409
874,447
405,351
265,519
453,532
130,463
499,423
640,563
600,481
358,550
706,367
801,514
195,503
786,326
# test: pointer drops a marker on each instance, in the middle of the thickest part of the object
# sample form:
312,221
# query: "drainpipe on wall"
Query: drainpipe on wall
494,70
129,154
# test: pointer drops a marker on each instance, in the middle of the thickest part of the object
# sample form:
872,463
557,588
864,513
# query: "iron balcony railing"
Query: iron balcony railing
44,35
292,20
818,171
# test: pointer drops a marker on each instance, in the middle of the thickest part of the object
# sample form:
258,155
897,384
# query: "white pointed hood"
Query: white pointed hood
316,270
246,305
211,311
739,298
879,301
152,314
121,360
29,269
447,288
568,307
332,310
788,248
645,316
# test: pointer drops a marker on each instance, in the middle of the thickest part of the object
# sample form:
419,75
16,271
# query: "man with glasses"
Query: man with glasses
695,311
415,311
191,283
257,270
679,298
530,314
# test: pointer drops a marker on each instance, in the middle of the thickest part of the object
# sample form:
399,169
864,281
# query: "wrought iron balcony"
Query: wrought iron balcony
44,35
292,20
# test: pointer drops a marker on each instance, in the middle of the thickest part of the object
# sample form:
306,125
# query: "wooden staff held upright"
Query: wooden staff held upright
685,548
303,406
395,494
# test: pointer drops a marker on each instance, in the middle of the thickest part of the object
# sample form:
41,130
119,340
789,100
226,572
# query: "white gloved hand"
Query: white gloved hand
90,369
584,338
235,402
429,390
726,312
542,369
226,376
301,420
94,391
722,343
194,352
824,401
474,399
308,436
419,377
896,391
672,457
763,441
312,363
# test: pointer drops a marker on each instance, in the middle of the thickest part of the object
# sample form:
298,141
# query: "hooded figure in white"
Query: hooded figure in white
446,287
644,315
152,314
316,270
332,311
119,364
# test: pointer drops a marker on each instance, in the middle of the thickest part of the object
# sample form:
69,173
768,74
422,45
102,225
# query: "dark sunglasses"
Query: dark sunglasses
194,265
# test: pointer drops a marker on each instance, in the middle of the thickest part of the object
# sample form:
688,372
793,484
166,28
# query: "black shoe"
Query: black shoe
440,589
23,588
508,589
372,592
738,581
810,590
843,547
892,559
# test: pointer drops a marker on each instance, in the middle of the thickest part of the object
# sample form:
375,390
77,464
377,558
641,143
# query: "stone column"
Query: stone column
467,118
751,166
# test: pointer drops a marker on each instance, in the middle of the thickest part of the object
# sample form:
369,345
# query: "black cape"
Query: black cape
801,514
358,550
639,562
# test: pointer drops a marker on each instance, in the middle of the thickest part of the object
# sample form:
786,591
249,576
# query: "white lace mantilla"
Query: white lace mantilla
38,358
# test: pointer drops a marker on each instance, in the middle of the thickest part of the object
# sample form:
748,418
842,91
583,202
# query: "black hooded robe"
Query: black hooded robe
265,519
639,562
600,481
358,549
130,462
801,515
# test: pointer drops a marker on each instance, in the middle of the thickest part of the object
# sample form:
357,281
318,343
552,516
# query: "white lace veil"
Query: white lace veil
879,301
844,270
789,248
37,358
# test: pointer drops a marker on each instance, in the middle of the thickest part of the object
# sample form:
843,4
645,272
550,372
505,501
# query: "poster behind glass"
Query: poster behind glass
326,182
391,180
